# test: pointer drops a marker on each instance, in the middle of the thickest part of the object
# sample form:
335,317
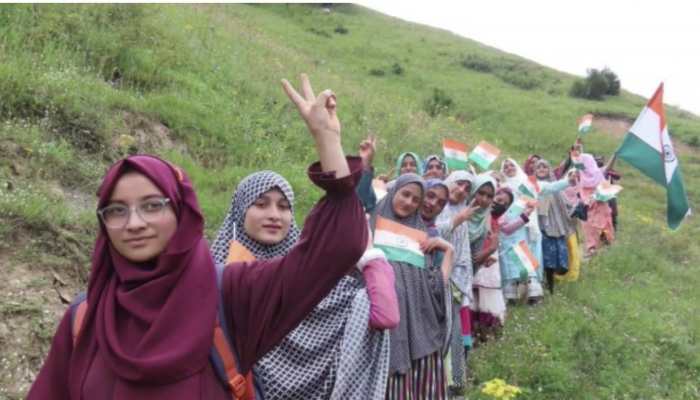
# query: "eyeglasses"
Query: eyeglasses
116,216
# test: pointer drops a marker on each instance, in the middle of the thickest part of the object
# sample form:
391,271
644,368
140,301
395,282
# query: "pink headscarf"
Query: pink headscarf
591,175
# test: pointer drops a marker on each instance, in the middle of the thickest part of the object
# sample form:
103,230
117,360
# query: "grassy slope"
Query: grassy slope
210,74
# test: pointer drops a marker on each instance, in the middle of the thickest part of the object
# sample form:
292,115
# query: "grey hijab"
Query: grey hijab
462,271
250,188
313,360
421,294
552,211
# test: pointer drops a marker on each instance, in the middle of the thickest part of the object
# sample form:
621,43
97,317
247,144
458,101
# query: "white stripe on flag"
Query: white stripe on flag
391,239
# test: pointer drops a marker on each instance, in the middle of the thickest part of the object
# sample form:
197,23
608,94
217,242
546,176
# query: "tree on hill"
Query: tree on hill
597,84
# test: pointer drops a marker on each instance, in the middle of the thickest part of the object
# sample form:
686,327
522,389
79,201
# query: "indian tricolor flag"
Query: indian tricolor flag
521,256
399,242
585,124
455,154
484,154
518,206
605,191
647,146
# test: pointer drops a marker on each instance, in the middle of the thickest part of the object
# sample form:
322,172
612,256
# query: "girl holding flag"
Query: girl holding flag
556,226
533,190
488,307
511,218
453,227
599,222
416,369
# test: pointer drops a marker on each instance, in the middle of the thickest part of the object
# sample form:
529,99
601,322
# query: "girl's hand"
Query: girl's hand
489,262
319,113
529,207
367,149
465,214
435,243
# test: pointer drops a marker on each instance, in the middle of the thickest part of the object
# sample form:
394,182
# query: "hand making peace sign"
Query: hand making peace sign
319,113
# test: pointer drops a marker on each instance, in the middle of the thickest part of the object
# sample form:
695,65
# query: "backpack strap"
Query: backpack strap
224,358
78,308
222,354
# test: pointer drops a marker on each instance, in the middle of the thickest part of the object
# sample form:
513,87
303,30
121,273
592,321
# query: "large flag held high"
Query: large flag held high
647,146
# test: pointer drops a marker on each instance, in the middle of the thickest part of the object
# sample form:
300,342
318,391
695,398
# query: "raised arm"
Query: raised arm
265,300
365,189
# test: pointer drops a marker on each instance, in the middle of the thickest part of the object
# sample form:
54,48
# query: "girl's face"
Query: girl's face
269,218
459,191
407,200
502,199
484,196
434,202
509,169
434,170
138,218
408,165
542,171
577,150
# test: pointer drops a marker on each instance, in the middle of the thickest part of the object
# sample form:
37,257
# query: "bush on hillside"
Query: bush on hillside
613,81
320,32
476,63
397,69
376,72
520,79
438,103
340,29
596,85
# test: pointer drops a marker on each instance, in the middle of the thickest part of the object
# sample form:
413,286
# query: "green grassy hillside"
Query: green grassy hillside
82,85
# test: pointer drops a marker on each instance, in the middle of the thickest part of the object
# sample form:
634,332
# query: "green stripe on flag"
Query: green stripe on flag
677,200
638,153
401,255
454,164
480,161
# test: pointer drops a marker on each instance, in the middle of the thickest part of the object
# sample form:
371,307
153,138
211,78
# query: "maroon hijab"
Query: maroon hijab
153,323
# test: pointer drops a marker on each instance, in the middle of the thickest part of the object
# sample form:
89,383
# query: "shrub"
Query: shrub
521,79
319,32
612,80
438,103
476,63
397,69
376,72
340,29
593,87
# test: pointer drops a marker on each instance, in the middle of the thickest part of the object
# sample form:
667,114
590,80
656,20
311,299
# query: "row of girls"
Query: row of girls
269,311
472,212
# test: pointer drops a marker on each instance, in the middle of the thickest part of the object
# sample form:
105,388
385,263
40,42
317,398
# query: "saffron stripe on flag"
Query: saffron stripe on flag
484,154
585,123
399,242
455,154
526,256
